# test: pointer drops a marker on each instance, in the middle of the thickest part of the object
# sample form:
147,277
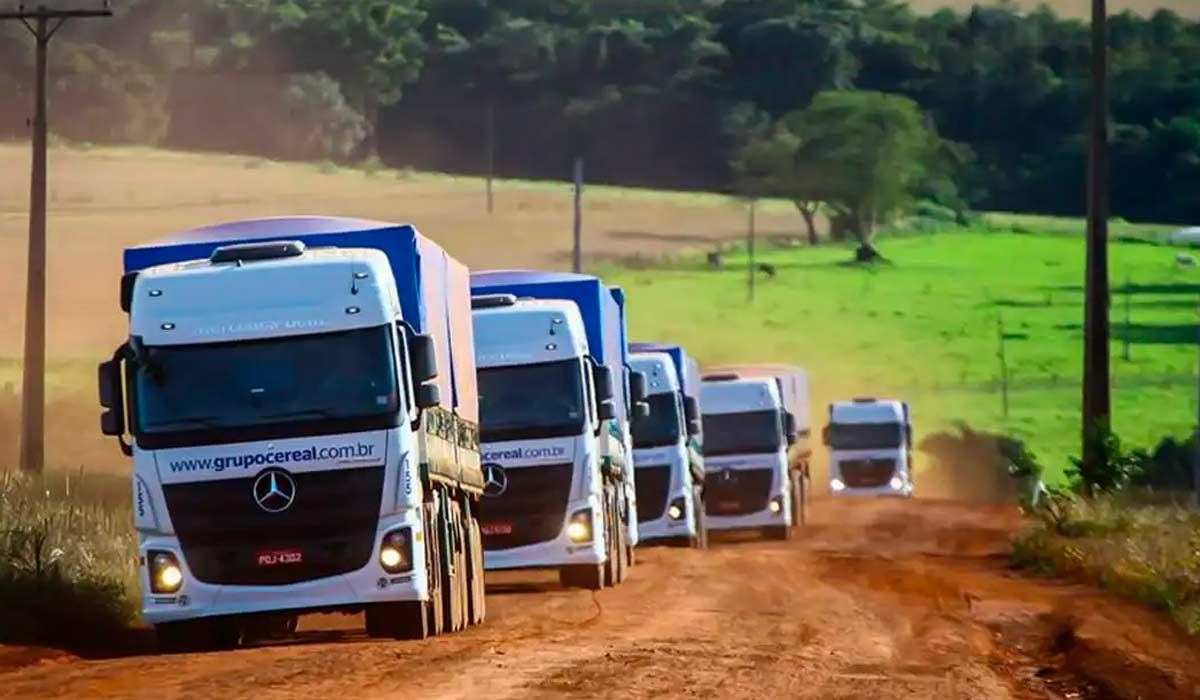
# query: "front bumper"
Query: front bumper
560,551
885,491
370,584
762,518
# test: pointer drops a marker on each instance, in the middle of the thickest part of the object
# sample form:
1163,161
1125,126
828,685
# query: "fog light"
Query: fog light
837,485
677,509
395,552
580,527
775,505
165,574
896,483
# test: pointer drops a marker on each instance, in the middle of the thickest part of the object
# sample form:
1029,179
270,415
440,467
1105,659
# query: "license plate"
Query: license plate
278,557
496,528
729,505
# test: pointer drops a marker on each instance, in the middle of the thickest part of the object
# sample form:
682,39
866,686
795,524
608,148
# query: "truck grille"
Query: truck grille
532,509
653,485
867,473
737,491
331,523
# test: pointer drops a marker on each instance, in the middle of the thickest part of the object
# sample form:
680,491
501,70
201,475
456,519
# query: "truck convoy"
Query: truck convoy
299,396
553,403
793,389
870,448
668,447
747,433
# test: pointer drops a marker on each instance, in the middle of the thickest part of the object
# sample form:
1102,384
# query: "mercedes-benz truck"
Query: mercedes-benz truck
298,397
794,390
552,404
668,447
747,433
870,448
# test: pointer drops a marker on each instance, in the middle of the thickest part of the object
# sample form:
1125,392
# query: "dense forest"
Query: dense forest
649,92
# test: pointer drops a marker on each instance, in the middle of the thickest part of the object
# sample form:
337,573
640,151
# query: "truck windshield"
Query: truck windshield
531,401
749,432
662,427
865,436
253,383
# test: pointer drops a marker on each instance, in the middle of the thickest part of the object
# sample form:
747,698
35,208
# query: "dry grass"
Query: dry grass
1151,553
1071,8
104,199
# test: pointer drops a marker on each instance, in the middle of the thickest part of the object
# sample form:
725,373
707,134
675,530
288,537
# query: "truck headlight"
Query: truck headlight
775,505
579,529
395,552
837,485
677,509
896,483
165,574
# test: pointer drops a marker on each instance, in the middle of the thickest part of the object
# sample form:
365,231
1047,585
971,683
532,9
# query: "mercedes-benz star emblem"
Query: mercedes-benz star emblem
274,490
495,481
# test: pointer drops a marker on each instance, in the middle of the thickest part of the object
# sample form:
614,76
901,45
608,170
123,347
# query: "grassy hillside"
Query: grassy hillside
925,328
1071,8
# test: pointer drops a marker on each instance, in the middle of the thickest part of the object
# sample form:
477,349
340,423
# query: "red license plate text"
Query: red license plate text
277,557
497,528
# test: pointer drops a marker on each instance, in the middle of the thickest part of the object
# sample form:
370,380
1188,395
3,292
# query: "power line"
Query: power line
43,23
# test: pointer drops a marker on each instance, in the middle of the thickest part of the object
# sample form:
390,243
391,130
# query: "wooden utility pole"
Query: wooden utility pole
750,251
1003,357
577,256
42,23
1097,408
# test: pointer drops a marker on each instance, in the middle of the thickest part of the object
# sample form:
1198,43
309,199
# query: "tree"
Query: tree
767,166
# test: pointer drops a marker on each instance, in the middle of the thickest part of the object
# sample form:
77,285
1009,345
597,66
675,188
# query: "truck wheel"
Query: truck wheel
700,541
611,533
404,620
589,576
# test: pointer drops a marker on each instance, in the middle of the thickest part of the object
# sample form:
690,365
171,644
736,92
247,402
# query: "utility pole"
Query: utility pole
1097,407
42,23
750,250
1126,355
577,257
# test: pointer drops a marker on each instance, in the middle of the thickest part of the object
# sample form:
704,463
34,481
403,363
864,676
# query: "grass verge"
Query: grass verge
68,571
1148,552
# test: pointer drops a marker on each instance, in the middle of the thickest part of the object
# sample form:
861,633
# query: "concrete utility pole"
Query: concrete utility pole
1097,408
42,23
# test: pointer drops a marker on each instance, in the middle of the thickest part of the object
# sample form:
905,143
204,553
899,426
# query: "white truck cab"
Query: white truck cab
670,497
747,433
870,448
545,413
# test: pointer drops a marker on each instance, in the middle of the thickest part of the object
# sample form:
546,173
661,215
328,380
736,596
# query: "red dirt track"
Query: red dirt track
875,599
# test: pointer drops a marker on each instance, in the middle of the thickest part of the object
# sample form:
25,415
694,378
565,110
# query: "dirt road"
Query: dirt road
874,600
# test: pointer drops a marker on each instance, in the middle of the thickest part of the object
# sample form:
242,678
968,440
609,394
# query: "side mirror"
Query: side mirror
789,428
428,396
602,377
691,409
637,387
605,410
112,420
641,409
423,358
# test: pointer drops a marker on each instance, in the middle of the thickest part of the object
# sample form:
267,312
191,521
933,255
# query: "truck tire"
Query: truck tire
612,566
402,620
700,541
588,576
478,587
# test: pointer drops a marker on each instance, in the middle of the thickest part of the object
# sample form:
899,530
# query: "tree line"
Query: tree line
984,109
